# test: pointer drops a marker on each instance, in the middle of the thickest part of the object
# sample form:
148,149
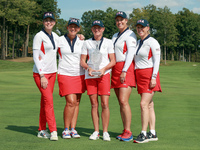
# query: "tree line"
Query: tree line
178,34
20,21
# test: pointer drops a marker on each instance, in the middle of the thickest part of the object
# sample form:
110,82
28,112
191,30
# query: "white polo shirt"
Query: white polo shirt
148,55
69,57
106,48
44,48
125,47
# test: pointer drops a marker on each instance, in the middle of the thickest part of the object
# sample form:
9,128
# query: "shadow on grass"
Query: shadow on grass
85,132
24,129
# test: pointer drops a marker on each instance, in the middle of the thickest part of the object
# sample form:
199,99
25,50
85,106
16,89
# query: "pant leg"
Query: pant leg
48,98
47,109
42,119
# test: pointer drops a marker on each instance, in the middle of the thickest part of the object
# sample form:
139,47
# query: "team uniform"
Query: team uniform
95,84
44,56
125,47
71,76
147,61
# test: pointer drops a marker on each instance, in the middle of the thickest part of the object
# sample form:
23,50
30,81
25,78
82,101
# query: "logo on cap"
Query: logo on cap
142,21
48,15
97,23
73,21
119,13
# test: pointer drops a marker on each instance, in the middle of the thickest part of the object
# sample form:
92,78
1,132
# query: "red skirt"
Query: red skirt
71,84
130,76
100,86
143,79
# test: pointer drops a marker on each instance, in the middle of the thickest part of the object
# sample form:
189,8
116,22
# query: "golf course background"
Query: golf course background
177,112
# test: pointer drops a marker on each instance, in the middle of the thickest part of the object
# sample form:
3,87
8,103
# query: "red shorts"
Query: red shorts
143,79
71,84
130,76
100,86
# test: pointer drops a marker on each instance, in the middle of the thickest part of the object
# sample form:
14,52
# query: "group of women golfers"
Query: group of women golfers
96,65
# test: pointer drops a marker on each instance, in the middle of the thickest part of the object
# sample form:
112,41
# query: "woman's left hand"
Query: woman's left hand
152,83
102,72
123,77
44,82
81,36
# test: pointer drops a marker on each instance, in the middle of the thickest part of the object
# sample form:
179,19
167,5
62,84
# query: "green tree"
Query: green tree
3,9
109,22
135,15
25,16
166,31
43,6
87,19
17,13
61,26
149,13
108,18
18,16
197,38
161,22
187,24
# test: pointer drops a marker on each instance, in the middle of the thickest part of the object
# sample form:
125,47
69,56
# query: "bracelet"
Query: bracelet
124,71
87,68
154,76
41,76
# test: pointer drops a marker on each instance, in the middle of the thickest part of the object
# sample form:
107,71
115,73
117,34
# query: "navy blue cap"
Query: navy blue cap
121,14
48,15
74,21
97,23
143,22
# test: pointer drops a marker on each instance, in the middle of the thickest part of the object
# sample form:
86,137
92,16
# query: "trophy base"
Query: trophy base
96,73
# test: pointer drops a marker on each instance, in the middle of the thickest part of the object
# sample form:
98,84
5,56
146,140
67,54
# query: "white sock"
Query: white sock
144,132
153,132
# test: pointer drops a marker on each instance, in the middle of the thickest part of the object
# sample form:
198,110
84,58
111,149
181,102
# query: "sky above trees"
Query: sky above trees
78,7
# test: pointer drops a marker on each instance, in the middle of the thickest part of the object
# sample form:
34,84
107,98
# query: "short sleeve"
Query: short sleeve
84,48
110,47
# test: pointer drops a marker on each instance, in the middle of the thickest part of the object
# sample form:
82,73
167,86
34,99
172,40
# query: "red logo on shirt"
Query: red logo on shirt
59,52
125,48
42,48
150,54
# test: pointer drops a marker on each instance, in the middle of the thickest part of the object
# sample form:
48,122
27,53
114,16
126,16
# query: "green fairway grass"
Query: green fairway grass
177,112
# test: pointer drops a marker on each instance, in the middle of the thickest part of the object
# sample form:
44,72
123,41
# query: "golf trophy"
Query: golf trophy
96,58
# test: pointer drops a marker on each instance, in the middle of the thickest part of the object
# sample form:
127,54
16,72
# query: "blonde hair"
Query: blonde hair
149,30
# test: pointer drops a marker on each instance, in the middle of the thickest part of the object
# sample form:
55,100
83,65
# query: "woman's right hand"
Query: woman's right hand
90,70
44,82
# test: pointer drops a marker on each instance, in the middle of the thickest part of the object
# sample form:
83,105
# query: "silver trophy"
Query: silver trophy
96,58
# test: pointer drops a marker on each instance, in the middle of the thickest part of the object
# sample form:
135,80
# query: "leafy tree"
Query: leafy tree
197,37
17,13
25,17
166,31
108,18
109,23
161,24
3,6
137,14
188,28
87,19
61,26
43,6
